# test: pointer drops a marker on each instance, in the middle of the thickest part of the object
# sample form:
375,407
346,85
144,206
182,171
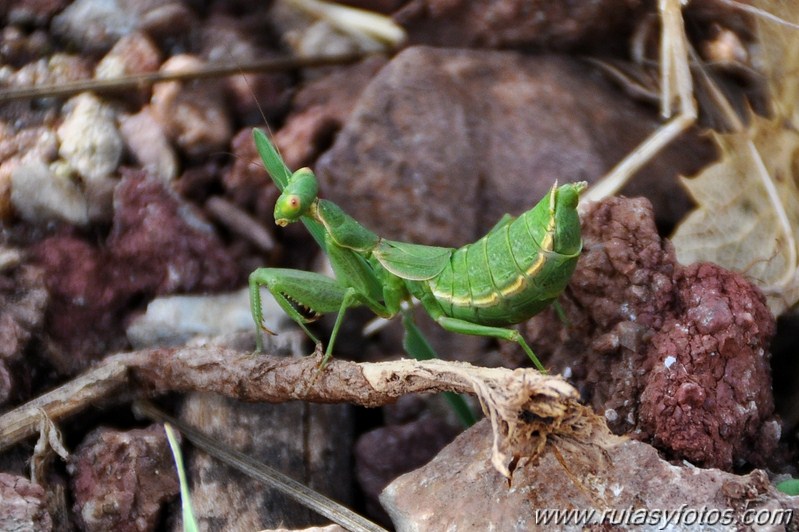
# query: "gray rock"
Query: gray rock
30,144
173,320
308,442
611,476
93,25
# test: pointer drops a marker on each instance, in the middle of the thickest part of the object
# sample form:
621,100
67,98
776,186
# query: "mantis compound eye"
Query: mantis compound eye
288,209
292,205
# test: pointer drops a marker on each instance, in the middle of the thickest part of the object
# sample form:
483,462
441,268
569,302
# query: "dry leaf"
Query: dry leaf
748,203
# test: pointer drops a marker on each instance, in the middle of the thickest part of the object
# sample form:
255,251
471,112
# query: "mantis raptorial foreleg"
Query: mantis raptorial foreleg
304,296
293,290
676,86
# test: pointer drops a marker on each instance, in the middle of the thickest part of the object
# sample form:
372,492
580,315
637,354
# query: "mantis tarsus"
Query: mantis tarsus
504,278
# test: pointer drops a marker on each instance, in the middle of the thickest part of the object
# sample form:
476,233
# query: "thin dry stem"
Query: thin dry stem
137,81
676,84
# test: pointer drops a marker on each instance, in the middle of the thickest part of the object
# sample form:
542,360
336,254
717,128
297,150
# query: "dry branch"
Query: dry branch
67,399
525,406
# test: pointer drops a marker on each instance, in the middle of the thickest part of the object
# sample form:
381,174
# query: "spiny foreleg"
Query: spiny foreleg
303,296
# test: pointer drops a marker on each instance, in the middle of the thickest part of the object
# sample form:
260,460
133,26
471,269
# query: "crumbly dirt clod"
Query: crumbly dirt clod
23,300
23,505
676,355
708,392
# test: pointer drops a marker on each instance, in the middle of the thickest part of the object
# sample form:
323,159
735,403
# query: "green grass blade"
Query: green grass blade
189,523
419,348
790,486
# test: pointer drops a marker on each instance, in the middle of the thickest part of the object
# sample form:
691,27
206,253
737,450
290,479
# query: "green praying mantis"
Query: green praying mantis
482,288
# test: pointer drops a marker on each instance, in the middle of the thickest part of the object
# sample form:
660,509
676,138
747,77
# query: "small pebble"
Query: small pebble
39,195
90,140
148,144
93,25
173,320
194,115
132,54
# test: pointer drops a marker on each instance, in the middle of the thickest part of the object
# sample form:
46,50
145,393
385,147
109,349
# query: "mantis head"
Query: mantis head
297,197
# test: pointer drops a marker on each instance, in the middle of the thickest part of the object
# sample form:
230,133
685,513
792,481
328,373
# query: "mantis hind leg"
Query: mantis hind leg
475,329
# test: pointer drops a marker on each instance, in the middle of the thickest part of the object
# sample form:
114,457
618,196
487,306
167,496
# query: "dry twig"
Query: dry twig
525,406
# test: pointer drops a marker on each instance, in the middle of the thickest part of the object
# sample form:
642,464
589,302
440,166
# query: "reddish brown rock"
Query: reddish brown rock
164,243
708,394
120,480
23,505
320,109
193,115
158,245
23,300
84,296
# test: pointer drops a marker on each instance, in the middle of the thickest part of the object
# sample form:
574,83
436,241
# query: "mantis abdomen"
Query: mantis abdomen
515,270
